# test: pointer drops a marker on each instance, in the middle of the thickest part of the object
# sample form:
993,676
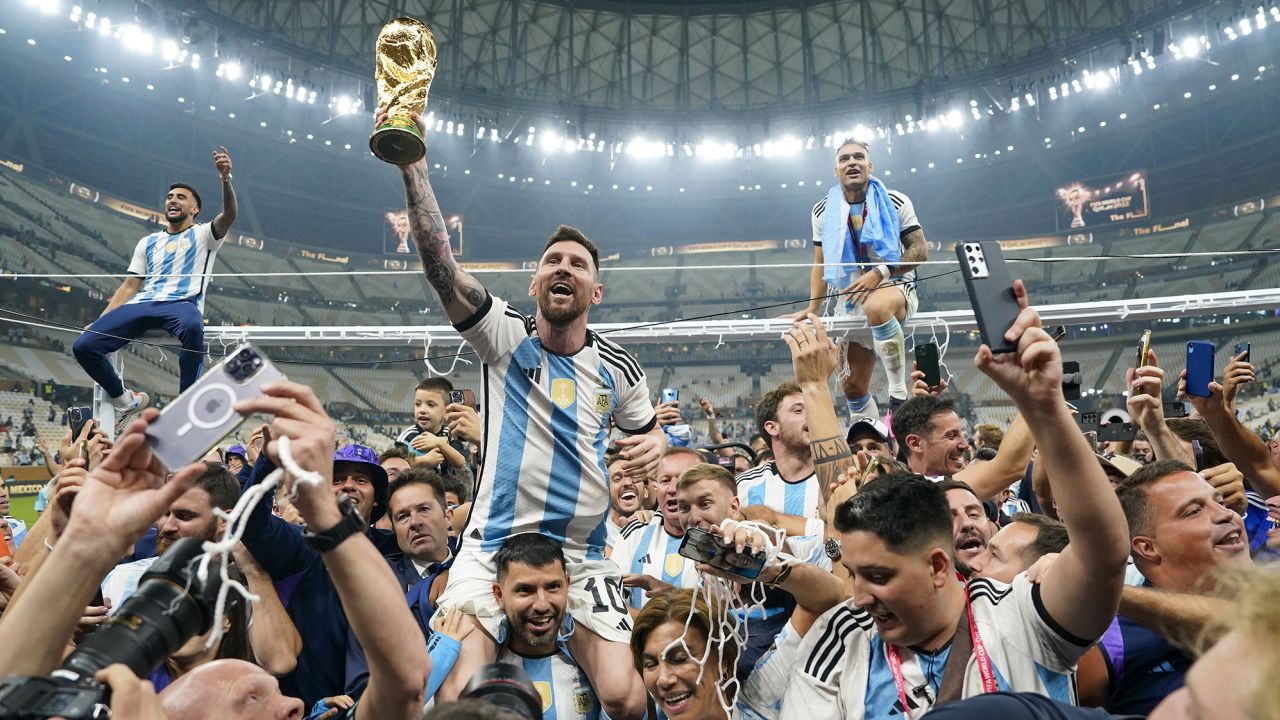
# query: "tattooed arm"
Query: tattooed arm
813,356
460,294
914,252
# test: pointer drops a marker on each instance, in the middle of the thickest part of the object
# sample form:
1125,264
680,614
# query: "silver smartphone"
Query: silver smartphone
192,424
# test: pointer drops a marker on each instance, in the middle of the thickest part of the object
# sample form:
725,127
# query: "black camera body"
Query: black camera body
170,606
244,365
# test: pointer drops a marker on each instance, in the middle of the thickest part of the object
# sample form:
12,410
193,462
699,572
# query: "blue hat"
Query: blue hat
361,455
238,449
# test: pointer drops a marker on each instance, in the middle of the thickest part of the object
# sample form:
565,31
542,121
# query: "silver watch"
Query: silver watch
832,547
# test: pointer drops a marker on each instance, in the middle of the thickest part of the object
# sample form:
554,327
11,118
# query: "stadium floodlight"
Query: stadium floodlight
1190,46
49,7
233,71
1245,26
104,26
75,14
264,82
135,39
195,61
169,51
715,150
1260,20
90,20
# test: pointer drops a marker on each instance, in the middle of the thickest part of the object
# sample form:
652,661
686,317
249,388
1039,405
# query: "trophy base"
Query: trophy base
397,141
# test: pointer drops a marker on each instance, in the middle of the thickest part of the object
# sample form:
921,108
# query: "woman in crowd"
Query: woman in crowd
689,680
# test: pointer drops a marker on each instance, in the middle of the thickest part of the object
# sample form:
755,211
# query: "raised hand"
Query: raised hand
297,414
222,161
1031,375
128,492
813,355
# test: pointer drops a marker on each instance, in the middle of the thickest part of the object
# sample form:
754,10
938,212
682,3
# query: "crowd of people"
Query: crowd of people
557,547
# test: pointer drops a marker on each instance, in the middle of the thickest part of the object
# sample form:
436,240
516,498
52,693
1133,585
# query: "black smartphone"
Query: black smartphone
990,287
462,397
76,419
1175,409
1071,380
1058,333
1117,432
1241,347
701,546
927,362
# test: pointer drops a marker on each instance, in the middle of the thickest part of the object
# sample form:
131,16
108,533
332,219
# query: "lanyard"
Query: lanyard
854,232
979,653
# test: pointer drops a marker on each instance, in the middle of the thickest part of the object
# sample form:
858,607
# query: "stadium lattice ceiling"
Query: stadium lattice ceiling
673,61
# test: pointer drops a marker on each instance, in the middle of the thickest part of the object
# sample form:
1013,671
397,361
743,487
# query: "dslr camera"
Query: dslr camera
506,686
170,606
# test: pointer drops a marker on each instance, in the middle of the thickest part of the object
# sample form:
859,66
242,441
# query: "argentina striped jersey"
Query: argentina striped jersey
648,549
175,267
764,485
546,427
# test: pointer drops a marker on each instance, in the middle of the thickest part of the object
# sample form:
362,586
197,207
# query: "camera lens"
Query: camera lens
245,354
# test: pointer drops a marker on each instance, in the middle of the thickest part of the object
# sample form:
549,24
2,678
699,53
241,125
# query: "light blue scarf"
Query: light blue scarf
879,231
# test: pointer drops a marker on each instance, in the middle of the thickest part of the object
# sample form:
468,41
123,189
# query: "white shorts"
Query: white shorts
597,600
908,290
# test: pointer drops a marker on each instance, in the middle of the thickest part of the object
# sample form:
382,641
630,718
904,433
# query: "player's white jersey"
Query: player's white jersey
764,486
175,267
648,549
546,426
123,580
907,222
564,688
764,688
842,667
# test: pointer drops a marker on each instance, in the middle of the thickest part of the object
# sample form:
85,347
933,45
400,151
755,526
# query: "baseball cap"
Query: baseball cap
361,455
863,424
1122,464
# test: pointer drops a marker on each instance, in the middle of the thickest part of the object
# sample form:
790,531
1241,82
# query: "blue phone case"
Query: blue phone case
1199,367
669,395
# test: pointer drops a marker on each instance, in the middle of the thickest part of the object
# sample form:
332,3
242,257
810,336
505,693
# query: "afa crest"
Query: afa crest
583,702
604,402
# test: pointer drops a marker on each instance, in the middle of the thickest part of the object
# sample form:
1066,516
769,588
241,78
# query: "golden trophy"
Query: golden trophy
406,63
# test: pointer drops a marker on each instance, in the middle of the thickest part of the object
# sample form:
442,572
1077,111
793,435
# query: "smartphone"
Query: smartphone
1144,349
927,362
670,395
990,287
462,397
1175,409
1071,380
193,423
1199,367
1058,333
1241,347
76,419
1117,432
701,546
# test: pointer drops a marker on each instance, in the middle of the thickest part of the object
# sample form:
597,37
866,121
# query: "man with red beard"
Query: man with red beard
190,516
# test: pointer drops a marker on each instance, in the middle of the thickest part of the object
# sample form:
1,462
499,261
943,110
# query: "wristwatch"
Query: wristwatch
782,576
832,547
350,524
884,271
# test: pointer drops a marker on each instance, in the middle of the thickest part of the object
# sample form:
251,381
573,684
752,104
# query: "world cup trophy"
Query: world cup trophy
406,63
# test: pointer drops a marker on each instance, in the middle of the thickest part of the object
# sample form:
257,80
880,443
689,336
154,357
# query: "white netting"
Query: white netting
730,612
235,526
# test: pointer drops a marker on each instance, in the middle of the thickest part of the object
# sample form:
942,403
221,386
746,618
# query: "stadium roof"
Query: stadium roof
664,61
